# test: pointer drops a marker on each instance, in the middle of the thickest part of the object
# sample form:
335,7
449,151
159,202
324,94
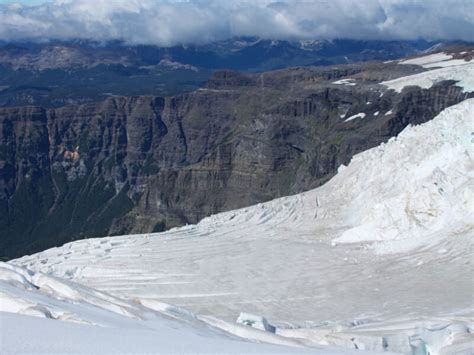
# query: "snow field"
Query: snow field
462,74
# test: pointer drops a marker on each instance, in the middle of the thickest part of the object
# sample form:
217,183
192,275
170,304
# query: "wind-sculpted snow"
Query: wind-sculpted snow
104,323
379,258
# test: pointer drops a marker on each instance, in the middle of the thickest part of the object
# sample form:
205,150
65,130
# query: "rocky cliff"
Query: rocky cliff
143,164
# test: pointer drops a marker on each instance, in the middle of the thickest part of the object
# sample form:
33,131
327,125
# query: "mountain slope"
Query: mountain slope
143,164
379,258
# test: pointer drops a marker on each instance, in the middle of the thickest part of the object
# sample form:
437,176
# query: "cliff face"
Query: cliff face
142,164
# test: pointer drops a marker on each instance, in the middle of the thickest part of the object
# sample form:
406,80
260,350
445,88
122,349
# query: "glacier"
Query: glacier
377,259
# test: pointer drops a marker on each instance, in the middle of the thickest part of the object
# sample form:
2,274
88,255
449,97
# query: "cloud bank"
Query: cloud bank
167,23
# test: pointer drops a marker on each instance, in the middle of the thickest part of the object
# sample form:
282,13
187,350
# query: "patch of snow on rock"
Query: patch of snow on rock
353,117
437,60
427,59
462,74
177,65
347,82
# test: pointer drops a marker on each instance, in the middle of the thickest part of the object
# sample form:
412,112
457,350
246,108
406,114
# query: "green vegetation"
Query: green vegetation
56,87
85,207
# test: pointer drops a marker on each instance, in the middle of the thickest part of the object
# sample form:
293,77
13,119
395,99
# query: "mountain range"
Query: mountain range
54,74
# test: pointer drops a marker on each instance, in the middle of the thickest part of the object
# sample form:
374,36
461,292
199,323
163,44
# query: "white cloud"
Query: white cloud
168,23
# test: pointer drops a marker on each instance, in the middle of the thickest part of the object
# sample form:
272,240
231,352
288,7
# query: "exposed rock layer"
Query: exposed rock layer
142,164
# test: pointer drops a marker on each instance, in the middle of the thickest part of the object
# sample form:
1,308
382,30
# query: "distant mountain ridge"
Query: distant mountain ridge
241,53
59,73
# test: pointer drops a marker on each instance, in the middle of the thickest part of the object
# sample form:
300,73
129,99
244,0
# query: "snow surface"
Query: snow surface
100,323
427,59
462,74
435,61
446,63
379,258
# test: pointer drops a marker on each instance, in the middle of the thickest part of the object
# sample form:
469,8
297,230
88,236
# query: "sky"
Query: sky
25,2
172,22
